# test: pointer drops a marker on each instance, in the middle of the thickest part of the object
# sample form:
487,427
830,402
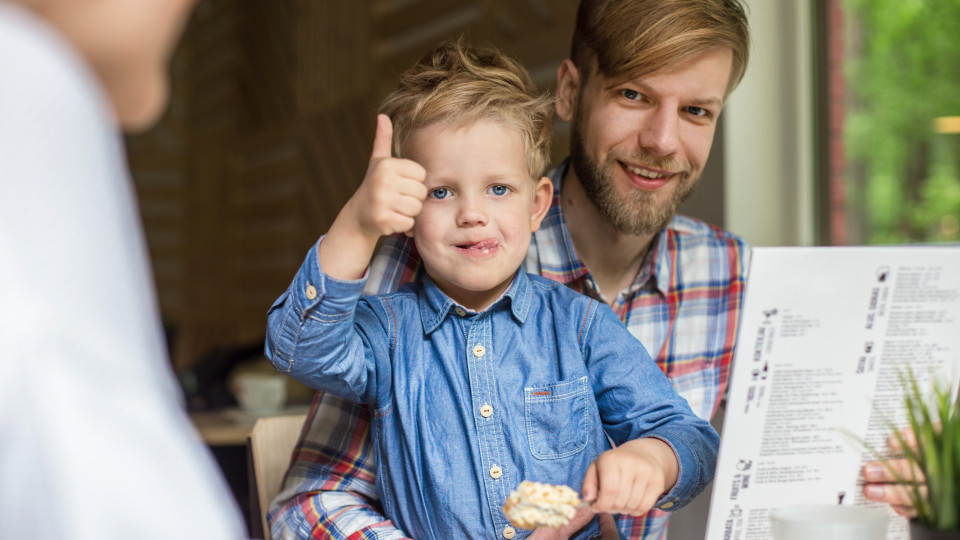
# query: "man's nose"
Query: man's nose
472,211
659,131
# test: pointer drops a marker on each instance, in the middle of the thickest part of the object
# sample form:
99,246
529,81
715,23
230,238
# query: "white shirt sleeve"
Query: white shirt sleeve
94,440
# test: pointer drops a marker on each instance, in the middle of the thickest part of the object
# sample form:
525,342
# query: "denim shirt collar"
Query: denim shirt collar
435,305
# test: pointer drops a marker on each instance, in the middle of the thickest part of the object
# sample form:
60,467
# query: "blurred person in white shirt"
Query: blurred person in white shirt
94,438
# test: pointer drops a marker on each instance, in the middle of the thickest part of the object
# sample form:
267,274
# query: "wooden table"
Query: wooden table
230,427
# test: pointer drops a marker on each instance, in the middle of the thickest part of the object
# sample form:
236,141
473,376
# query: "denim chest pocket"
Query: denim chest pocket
557,418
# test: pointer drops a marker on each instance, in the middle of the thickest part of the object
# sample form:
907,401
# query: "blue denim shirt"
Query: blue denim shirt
466,405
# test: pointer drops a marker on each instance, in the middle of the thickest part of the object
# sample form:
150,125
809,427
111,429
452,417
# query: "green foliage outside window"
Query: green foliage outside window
903,72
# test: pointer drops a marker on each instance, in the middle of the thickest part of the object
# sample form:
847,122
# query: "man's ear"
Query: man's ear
542,199
568,88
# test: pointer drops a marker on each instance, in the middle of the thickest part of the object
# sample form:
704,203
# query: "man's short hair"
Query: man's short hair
626,39
460,84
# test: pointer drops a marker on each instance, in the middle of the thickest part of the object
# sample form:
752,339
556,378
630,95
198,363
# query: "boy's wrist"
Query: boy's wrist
351,221
346,249
666,460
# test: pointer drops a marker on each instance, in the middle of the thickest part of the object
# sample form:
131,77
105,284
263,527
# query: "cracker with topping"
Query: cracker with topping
534,504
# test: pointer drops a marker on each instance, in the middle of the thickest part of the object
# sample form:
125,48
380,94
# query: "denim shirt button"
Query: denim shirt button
479,350
666,505
509,532
496,472
311,292
486,410
459,311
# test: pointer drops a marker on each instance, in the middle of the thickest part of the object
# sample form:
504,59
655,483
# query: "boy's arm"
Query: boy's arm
319,335
310,328
330,483
330,488
643,414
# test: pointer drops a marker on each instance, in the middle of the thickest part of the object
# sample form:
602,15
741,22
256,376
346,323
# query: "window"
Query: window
891,110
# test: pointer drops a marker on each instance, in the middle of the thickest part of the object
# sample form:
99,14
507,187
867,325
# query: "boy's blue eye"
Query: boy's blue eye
499,189
632,95
439,193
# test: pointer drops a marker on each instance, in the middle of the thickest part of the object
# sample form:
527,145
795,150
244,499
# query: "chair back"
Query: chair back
271,444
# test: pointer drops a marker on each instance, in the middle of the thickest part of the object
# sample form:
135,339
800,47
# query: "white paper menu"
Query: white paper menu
824,333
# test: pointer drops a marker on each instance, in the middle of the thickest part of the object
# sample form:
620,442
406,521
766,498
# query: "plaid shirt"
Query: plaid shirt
684,304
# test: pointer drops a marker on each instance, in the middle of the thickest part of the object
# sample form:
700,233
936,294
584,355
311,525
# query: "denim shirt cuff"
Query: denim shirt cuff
316,293
688,484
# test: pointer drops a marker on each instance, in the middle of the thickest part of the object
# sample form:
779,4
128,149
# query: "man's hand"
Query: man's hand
631,477
881,484
388,200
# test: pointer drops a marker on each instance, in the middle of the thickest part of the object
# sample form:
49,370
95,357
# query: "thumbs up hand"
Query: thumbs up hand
388,200
392,192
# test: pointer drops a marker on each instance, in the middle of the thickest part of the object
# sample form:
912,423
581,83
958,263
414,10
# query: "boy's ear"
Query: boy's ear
542,199
568,88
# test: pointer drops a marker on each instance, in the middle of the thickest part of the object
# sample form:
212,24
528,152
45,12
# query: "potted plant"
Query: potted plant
935,422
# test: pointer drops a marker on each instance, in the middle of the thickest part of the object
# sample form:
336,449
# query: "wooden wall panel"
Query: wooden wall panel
269,134
332,44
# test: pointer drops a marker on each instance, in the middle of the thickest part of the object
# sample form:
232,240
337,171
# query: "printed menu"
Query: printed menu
825,334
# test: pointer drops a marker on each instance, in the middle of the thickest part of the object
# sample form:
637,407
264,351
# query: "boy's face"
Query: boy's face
475,226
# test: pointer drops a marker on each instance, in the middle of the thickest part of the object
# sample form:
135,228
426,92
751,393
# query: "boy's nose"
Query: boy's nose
472,211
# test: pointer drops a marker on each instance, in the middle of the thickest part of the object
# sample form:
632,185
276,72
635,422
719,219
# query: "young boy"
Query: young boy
479,375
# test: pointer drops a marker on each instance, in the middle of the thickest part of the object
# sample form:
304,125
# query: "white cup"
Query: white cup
260,393
829,522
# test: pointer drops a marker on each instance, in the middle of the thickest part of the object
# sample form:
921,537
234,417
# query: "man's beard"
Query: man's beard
637,212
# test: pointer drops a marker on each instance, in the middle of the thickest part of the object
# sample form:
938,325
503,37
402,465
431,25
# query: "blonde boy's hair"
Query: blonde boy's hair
459,84
626,39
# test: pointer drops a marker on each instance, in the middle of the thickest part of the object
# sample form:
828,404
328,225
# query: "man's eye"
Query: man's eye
632,95
499,190
698,111
439,193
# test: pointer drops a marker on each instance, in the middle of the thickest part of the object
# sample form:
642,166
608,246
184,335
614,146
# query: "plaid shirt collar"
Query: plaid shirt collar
559,259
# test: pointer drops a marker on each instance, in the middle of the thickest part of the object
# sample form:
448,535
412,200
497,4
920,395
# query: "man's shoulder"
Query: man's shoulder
705,252
699,232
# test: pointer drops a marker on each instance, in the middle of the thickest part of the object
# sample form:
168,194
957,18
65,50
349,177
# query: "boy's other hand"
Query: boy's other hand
630,478
392,192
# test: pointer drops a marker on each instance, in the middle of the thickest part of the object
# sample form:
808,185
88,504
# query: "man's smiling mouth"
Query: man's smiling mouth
647,173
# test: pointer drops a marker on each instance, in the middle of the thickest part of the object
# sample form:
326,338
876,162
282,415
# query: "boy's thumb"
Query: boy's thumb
383,139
